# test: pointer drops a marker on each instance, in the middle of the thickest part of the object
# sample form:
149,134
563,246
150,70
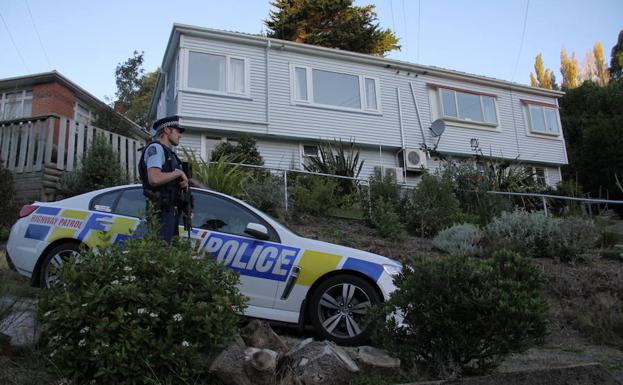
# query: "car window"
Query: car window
132,203
104,202
212,212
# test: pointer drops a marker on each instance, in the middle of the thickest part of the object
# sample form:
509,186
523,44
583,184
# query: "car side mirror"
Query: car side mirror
257,231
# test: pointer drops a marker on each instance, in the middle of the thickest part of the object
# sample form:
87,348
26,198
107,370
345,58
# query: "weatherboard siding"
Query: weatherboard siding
279,122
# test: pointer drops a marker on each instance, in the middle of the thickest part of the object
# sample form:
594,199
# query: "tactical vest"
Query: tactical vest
163,197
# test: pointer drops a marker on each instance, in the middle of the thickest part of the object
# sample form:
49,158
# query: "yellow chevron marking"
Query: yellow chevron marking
314,264
75,214
60,233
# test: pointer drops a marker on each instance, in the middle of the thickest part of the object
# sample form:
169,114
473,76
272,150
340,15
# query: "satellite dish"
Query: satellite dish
438,127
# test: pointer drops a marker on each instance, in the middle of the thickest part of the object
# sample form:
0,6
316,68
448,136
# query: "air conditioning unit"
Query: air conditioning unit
396,173
414,159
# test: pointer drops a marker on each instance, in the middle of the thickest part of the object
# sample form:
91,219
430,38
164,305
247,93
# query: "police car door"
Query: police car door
220,225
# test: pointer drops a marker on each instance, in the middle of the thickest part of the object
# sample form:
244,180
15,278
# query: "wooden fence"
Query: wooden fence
30,147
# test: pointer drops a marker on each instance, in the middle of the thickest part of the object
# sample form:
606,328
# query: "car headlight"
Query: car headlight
392,270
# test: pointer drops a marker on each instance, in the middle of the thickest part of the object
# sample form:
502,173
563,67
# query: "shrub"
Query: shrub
386,220
537,235
463,239
431,206
98,168
463,313
338,159
384,189
244,151
9,207
144,312
312,195
266,192
220,175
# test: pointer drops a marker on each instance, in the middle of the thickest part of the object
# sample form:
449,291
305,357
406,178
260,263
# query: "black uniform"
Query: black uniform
164,197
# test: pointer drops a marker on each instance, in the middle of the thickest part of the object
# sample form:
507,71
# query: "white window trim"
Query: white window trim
4,100
247,72
481,125
540,134
302,155
310,91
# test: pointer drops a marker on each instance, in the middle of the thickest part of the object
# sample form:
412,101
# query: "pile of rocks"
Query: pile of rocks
261,357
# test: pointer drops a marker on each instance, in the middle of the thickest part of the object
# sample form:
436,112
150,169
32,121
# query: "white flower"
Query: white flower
47,313
177,317
152,261
53,353
172,271
105,345
96,352
56,338
141,310
84,305
153,315
196,257
82,342
185,344
115,282
129,278
127,268
84,330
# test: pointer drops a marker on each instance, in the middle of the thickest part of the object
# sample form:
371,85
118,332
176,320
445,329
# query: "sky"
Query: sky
85,40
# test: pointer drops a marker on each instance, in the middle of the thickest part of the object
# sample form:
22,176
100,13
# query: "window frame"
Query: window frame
22,98
542,106
228,75
441,88
363,96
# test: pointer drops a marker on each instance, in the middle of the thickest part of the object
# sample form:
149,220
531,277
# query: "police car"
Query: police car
286,277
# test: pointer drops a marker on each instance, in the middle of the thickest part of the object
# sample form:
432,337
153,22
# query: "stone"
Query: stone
260,335
321,363
227,366
20,325
260,365
376,361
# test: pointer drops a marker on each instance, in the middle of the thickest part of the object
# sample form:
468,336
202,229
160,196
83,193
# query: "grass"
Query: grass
14,283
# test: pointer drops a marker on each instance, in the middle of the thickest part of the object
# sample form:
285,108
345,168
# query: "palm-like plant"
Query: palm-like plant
220,175
338,159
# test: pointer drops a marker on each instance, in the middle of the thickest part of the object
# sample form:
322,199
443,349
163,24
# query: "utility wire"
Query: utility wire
404,17
523,34
38,36
14,45
391,8
419,22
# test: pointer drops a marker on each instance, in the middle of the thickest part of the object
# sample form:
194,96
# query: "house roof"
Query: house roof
260,40
81,93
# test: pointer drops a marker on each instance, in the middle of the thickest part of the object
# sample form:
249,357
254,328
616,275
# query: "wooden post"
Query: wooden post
13,147
71,145
49,141
23,147
40,132
60,154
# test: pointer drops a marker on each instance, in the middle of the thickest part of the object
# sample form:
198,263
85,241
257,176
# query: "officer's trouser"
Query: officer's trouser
169,224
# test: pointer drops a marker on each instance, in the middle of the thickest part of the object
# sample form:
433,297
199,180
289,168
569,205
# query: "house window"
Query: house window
217,73
334,89
538,174
15,105
83,115
543,119
310,151
468,106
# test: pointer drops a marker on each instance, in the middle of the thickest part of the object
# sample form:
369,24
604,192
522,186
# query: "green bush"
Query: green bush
9,207
386,220
431,206
244,151
143,313
463,239
384,189
312,195
462,314
266,192
220,175
536,235
98,168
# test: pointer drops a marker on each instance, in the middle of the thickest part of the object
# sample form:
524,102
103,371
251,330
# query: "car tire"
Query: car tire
338,308
53,260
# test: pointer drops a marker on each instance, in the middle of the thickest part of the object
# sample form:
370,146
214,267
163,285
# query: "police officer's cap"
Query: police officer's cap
169,121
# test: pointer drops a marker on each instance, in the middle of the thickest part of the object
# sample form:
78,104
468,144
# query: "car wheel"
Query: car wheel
339,306
53,260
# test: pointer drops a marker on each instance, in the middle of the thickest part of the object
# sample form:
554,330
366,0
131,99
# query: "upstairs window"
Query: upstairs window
335,89
83,115
15,105
217,73
468,106
543,119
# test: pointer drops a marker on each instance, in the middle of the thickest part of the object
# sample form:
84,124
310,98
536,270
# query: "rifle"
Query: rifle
186,201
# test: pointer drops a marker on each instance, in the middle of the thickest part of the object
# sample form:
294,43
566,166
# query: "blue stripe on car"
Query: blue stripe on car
38,232
48,210
372,270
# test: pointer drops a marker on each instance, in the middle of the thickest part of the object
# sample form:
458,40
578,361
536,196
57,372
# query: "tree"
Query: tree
589,68
135,88
330,23
616,59
244,151
544,76
603,75
570,69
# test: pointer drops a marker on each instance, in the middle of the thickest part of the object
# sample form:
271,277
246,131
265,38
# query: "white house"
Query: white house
291,96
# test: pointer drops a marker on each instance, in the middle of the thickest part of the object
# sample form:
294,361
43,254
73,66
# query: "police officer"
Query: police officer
161,174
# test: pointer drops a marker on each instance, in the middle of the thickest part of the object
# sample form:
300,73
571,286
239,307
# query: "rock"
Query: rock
21,323
227,365
376,361
260,335
260,365
316,363
5,345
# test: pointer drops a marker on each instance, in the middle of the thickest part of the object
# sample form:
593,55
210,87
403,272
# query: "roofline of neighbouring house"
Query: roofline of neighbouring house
47,77
244,38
